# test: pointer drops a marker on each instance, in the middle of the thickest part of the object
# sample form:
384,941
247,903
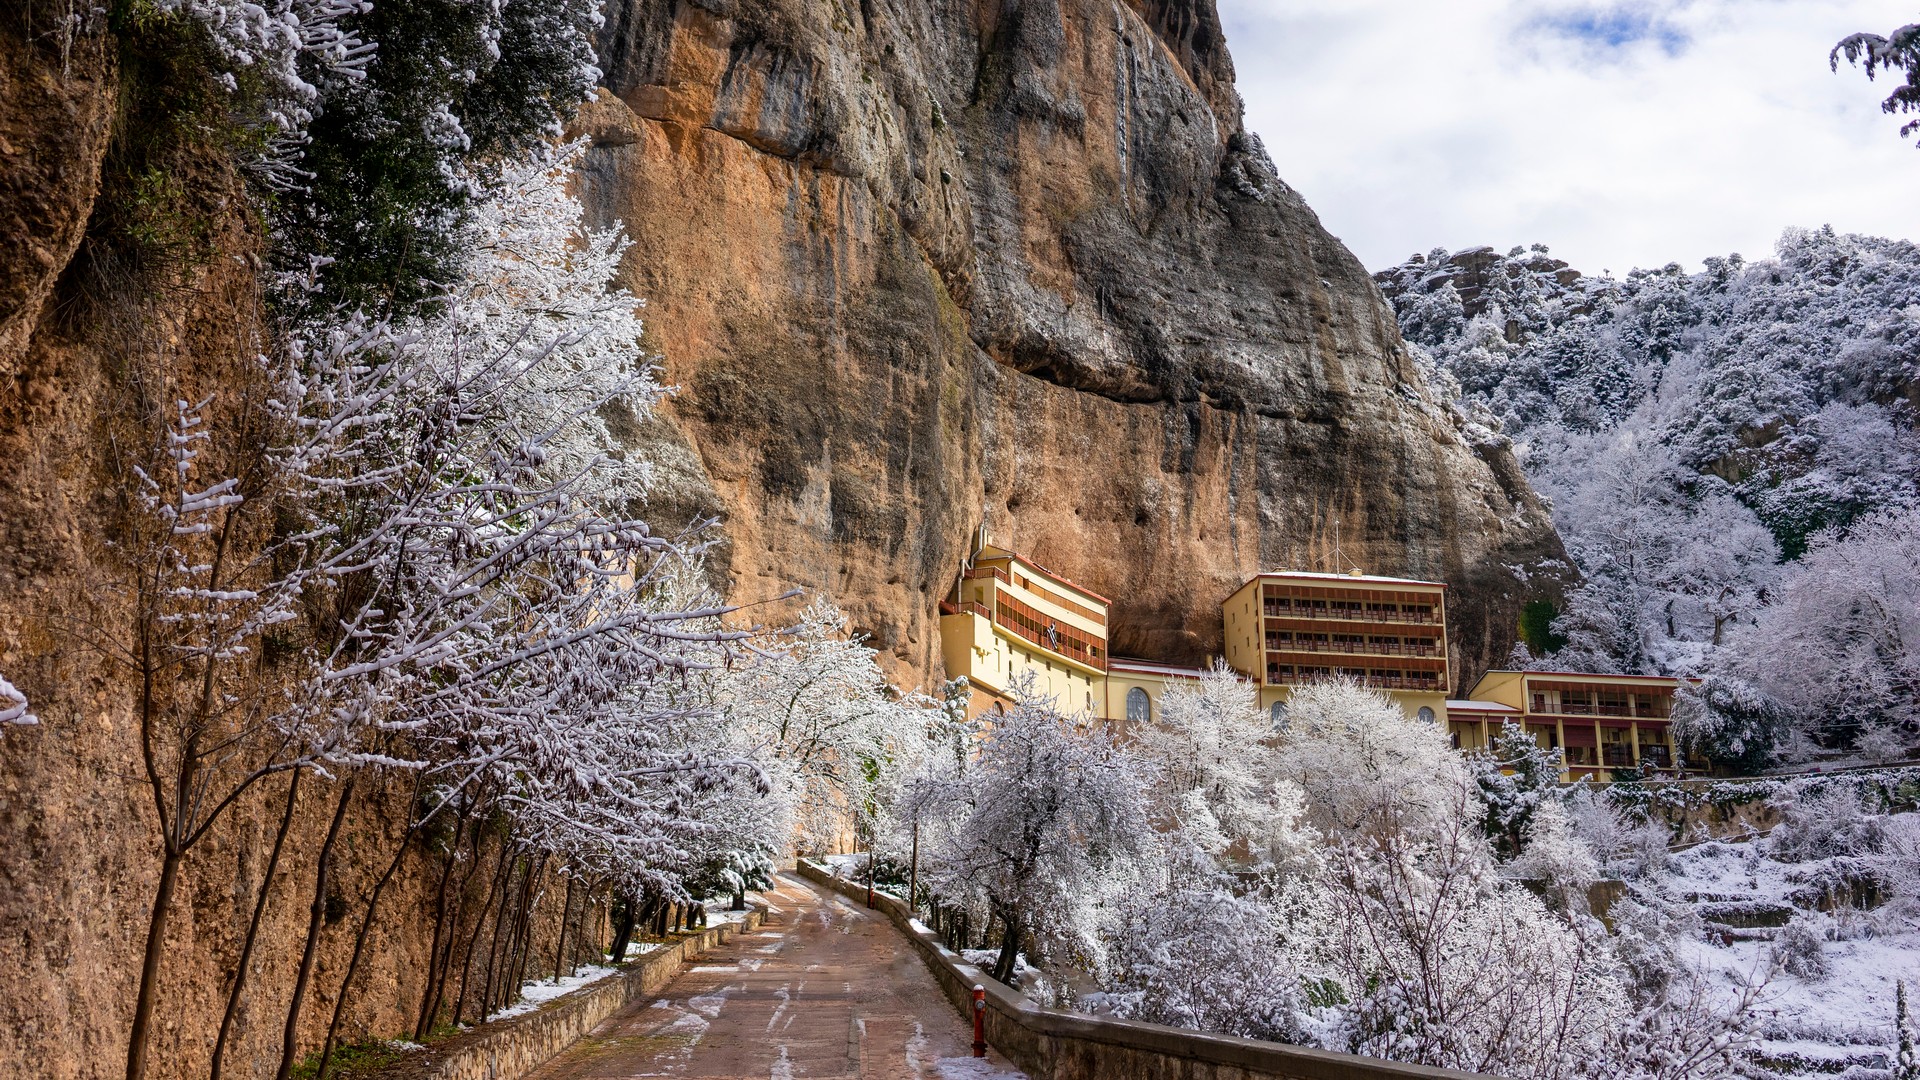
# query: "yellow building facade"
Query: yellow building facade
1601,723
1009,618
1285,629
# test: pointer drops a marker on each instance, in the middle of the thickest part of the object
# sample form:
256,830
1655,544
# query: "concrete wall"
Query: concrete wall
512,1048
1050,1044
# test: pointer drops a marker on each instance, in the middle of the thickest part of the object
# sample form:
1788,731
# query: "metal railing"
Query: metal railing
1339,615
1624,712
1355,648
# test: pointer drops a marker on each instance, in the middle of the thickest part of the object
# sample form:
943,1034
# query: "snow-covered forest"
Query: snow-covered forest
1351,882
1731,458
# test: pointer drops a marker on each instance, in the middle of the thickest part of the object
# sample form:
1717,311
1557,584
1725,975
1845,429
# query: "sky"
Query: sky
1620,134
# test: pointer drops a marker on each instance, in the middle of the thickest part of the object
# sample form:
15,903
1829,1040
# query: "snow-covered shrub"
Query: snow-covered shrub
1898,872
1558,858
1821,824
1646,931
1195,954
1628,843
1513,776
1800,948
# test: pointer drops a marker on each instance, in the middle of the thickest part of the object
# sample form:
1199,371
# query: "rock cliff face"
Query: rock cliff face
916,264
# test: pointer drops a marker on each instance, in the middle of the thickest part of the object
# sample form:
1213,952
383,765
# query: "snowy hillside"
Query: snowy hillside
1823,916
1731,459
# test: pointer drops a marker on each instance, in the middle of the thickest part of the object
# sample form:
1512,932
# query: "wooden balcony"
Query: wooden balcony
1413,618
1657,711
1352,648
1378,682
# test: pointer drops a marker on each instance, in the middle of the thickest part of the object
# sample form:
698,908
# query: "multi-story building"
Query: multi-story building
1601,722
1286,629
1009,616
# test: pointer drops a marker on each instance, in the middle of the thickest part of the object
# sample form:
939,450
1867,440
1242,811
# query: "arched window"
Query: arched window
1139,707
1279,714
1425,714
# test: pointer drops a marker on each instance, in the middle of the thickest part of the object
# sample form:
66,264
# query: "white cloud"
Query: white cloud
1620,134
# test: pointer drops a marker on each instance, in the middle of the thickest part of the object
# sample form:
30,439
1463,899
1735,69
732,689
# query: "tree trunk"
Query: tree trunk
1009,949
494,885
446,933
360,940
622,927
494,951
150,966
290,1038
253,929
560,946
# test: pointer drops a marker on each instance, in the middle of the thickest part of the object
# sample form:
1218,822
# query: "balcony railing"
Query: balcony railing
1344,615
1354,648
1382,682
1578,708
1000,575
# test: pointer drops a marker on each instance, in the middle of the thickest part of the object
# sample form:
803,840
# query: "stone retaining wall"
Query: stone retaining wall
512,1048
1051,1044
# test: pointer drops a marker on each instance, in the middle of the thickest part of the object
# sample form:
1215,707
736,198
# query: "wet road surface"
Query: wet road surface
825,988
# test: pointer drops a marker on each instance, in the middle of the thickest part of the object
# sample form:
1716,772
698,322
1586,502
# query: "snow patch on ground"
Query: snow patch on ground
1809,1026
972,1068
540,991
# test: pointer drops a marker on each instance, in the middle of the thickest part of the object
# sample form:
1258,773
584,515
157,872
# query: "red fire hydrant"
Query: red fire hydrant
979,1020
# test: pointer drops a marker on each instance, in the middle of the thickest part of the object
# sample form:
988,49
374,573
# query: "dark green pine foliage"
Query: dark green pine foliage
453,88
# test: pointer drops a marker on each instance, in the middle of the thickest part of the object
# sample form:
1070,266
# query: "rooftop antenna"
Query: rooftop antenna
1339,560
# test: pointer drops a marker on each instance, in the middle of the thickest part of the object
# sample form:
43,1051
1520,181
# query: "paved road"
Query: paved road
826,988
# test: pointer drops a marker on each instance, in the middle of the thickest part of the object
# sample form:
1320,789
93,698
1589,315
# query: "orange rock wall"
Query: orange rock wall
919,264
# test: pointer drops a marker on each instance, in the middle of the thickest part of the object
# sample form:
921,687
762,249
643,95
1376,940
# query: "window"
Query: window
1139,707
1279,714
1426,717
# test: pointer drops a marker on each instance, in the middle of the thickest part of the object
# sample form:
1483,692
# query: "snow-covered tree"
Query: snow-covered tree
414,532
1365,765
1898,51
1840,648
1210,743
1728,721
836,737
1695,434
1045,829
1558,857
1906,1051
1514,776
